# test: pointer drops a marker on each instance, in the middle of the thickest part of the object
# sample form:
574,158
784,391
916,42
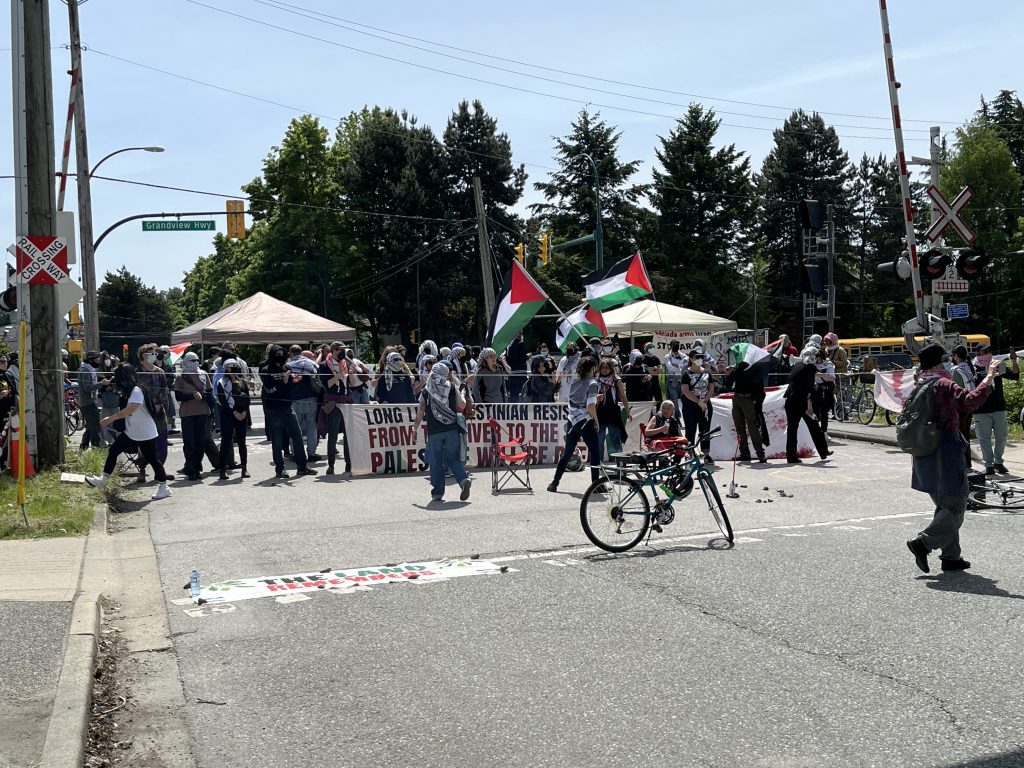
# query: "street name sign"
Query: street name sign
42,260
957,311
179,226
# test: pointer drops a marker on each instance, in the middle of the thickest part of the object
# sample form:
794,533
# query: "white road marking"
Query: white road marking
295,597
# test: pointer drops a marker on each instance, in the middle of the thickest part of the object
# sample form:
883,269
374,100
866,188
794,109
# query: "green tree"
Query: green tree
806,162
704,200
474,147
982,160
569,210
299,231
1005,115
131,312
215,281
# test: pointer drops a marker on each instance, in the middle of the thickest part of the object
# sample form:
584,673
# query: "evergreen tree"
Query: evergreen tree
475,148
1005,115
569,211
704,199
807,162
131,312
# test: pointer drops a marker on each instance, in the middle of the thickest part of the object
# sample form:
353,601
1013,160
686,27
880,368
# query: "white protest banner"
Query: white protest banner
715,344
724,447
382,438
893,388
342,580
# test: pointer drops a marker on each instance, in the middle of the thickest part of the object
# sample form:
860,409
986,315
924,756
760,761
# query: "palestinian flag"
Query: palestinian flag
761,361
177,350
584,321
622,282
521,299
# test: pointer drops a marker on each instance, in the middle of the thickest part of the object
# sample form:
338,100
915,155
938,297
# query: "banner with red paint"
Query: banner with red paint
893,388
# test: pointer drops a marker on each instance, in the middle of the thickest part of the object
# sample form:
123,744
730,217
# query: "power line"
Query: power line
497,84
302,111
297,12
282,5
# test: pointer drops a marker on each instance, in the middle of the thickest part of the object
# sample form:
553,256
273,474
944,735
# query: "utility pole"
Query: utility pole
42,220
934,163
485,250
85,244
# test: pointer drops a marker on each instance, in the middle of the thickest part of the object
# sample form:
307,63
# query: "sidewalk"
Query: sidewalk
883,434
48,646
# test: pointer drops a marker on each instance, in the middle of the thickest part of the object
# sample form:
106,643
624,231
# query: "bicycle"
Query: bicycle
72,413
987,496
615,512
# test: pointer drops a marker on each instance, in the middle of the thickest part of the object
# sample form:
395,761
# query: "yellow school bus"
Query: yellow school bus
863,347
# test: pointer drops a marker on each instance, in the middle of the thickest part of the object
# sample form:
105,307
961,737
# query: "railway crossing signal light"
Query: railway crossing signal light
545,246
900,268
521,253
934,262
812,278
970,263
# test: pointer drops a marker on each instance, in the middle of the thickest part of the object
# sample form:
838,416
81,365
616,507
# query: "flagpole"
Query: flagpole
564,316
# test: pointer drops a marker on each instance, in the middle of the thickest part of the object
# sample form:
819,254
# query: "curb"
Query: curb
860,437
66,736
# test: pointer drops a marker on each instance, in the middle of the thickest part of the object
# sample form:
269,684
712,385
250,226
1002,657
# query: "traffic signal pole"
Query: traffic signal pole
934,163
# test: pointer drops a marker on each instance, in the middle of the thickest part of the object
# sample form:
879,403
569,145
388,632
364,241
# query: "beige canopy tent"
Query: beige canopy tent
262,318
646,317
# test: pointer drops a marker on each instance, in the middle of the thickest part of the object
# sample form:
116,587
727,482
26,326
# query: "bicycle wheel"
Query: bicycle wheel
841,410
1000,496
72,422
715,505
866,407
615,513
890,418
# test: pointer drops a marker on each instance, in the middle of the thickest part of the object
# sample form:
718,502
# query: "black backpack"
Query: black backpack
916,430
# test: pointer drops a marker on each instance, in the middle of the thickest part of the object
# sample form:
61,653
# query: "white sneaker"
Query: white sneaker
96,481
162,492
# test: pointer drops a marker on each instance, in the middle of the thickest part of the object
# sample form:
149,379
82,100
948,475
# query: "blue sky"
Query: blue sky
780,55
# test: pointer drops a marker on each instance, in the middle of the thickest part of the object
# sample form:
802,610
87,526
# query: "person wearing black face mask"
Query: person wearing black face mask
277,410
334,374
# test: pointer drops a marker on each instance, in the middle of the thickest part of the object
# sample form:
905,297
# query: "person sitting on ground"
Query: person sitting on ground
942,474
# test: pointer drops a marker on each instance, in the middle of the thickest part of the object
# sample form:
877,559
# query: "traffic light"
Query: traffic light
236,219
934,262
812,278
545,245
970,263
521,253
9,300
811,215
900,269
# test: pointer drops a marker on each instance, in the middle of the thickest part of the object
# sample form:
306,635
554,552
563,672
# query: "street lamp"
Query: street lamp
88,248
119,151
598,231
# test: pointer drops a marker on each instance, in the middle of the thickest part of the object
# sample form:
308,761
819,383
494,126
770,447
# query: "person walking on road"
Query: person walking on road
233,399
139,431
277,411
582,422
990,417
440,403
800,407
942,474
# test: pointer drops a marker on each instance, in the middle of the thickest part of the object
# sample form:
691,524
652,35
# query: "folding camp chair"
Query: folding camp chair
507,459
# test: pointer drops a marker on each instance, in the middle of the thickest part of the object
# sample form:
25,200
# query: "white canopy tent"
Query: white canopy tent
262,318
646,317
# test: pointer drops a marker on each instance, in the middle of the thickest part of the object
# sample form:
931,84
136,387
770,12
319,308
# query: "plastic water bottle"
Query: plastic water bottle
193,584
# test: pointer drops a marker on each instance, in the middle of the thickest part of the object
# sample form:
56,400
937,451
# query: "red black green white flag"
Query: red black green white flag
521,299
624,281
585,321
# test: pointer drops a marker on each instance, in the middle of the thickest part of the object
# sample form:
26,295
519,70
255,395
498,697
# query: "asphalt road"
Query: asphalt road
813,642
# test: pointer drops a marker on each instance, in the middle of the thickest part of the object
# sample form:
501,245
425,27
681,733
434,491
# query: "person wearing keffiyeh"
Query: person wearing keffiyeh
192,390
394,383
440,403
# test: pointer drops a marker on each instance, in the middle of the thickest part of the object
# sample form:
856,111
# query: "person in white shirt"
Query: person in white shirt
824,387
565,372
139,431
675,365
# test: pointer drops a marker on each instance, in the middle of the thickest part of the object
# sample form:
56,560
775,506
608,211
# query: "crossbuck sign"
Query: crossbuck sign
42,260
949,213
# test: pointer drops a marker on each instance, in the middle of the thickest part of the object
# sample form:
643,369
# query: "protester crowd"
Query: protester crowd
133,409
